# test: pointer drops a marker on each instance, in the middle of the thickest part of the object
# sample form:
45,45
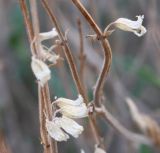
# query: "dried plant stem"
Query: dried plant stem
82,56
43,132
107,52
45,90
27,21
44,97
72,67
136,138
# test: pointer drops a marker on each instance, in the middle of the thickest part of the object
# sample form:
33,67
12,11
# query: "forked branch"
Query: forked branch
106,48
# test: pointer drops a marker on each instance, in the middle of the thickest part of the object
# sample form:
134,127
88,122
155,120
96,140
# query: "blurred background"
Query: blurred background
134,72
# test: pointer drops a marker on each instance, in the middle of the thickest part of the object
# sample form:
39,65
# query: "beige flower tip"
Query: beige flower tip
132,26
48,35
40,70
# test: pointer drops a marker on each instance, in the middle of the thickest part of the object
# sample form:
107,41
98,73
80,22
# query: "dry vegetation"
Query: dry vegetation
91,58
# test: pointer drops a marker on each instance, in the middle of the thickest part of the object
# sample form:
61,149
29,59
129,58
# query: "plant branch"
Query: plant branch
43,132
120,128
27,21
107,52
82,56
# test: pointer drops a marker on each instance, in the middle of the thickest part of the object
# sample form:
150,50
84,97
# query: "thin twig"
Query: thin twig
82,56
107,52
30,33
43,132
137,138
27,21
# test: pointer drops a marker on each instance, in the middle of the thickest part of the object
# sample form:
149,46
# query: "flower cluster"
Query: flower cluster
39,67
60,126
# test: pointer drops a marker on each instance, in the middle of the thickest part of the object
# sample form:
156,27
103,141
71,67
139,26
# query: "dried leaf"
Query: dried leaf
145,123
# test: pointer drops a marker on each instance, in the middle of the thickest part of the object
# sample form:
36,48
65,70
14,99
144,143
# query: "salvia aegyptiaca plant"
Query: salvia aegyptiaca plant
59,117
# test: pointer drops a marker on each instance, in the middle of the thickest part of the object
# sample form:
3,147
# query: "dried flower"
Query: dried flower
55,131
48,35
69,125
72,108
128,25
40,70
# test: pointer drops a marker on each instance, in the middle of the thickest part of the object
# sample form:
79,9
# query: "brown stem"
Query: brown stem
82,56
107,52
43,132
27,21
120,128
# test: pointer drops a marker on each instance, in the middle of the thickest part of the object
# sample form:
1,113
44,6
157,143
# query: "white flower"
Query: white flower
69,125
99,150
128,25
40,70
72,108
55,131
48,35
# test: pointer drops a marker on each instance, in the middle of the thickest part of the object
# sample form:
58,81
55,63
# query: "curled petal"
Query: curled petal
69,125
40,70
48,35
55,131
141,31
